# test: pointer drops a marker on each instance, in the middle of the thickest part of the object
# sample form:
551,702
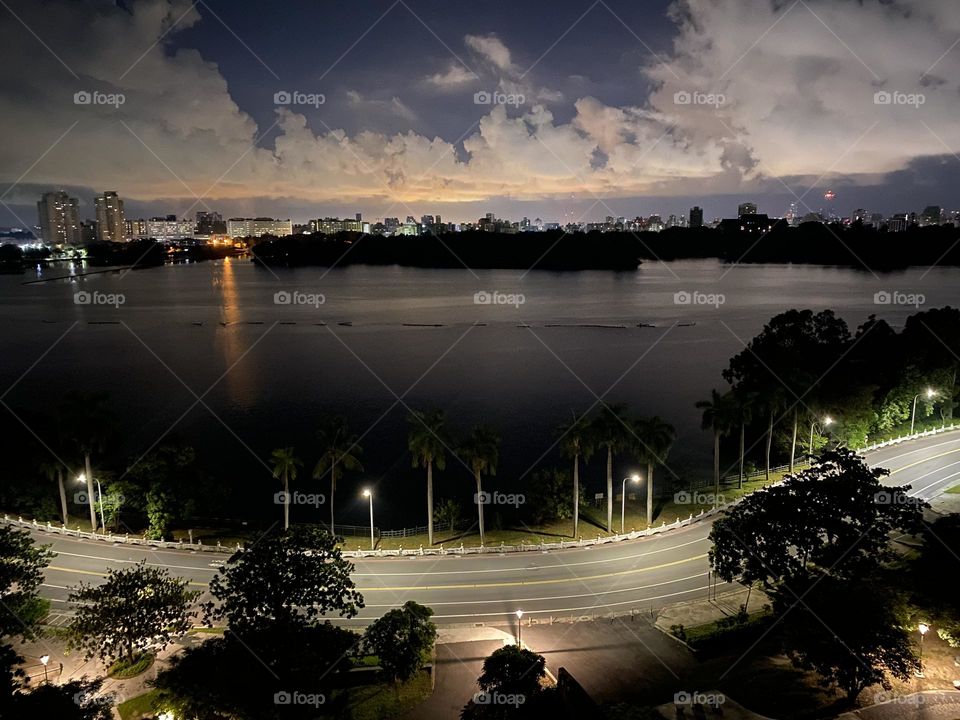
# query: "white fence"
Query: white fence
441,550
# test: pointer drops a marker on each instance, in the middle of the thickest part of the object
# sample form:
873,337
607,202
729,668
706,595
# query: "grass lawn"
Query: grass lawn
122,669
383,701
955,490
138,707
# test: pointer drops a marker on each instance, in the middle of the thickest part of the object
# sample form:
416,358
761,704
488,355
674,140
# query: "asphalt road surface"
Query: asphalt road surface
639,574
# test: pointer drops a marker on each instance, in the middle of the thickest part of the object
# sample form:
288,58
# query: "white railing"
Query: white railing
903,438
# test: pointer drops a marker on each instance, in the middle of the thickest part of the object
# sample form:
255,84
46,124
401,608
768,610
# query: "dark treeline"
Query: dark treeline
136,253
815,243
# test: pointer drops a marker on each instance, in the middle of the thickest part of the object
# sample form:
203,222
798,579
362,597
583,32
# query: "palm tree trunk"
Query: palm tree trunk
576,494
743,432
793,441
480,505
649,494
333,487
63,495
769,444
430,502
609,489
89,475
286,502
716,467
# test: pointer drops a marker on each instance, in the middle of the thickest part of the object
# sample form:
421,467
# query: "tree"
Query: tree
928,571
576,441
655,438
285,465
548,499
91,424
510,685
52,469
22,565
448,512
719,415
401,639
135,608
481,451
167,486
339,451
73,700
428,441
611,430
744,405
284,579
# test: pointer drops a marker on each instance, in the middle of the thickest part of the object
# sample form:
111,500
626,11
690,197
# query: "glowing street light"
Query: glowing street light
826,422
83,479
930,393
623,497
45,660
368,494
519,626
924,629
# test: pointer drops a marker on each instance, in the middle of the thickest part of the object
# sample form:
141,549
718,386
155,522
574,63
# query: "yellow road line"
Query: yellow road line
928,459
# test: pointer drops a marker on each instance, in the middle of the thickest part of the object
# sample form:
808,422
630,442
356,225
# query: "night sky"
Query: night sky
614,107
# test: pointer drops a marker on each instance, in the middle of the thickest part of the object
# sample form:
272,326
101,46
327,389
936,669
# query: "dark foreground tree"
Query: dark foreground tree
135,609
401,639
936,562
511,686
21,571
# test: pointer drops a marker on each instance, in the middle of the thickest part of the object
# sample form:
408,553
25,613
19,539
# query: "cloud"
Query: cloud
491,49
455,76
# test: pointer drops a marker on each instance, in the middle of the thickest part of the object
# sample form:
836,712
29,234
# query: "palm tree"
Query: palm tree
611,430
339,451
428,442
91,422
717,416
285,465
481,451
53,470
774,401
743,403
656,436
576,442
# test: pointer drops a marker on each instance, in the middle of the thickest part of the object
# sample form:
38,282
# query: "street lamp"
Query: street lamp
83,479
368,494
623,498
930,393
45,660
519,626
924,629
827,422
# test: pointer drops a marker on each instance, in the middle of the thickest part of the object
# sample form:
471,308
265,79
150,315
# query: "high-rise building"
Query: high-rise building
257,227
931,215
696,216
111,226
210,223
59,218
747,208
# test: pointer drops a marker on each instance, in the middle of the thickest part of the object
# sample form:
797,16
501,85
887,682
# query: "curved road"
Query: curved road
644,573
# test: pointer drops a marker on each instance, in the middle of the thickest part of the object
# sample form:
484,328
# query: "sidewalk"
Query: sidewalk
700,612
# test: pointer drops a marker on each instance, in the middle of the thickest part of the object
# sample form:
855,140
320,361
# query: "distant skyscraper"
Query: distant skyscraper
59,218
931,215
747,208
696,216
111,226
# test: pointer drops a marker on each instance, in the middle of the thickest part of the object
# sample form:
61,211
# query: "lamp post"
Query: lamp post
623,498
930,393
83,479
924,629
827,422
519,627
45,660
368,494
